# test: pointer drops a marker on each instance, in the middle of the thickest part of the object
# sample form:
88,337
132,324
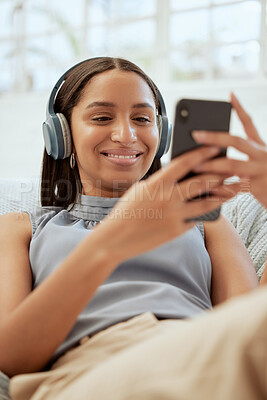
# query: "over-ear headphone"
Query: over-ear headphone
56,130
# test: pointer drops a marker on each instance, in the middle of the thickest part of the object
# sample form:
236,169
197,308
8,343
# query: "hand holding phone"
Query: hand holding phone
196,115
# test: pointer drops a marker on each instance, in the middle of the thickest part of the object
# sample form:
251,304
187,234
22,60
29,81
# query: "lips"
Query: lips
121,157
121,152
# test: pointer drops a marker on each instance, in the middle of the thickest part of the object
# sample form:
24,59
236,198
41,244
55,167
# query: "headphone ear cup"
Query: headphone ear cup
57,136
50,129
169,136
65,129
165,131
159,125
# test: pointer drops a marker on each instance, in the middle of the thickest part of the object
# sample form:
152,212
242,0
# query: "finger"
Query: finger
249,147
226,192
241,184
258,190
198,185
246,120
245,184
232,167
198,207
182,165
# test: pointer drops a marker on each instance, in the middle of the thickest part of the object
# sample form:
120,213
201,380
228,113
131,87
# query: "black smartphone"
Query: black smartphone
191,115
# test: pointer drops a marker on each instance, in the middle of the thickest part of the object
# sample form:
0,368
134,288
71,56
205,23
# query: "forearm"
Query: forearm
263,280
233,272
34,330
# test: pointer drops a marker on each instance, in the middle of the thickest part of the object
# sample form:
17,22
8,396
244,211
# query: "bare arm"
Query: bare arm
35,323
15,271
263,280
233,272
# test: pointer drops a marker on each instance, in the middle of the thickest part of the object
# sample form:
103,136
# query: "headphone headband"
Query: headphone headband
60,82
56,132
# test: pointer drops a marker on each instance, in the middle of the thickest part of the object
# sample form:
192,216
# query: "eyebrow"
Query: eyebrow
143,105
100,104
109,104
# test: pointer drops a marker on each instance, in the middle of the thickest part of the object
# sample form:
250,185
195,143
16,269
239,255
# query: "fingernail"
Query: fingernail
214,150
199,135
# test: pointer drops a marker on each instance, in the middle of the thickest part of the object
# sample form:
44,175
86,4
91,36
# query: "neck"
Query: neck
102,192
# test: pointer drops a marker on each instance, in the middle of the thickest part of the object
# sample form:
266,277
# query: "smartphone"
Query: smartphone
190,115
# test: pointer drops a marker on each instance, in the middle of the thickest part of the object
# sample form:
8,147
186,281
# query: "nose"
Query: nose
124,133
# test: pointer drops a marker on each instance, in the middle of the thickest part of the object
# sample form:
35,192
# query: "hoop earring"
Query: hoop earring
72,161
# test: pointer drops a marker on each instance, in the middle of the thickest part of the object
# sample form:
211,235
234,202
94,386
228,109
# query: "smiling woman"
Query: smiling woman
111,135
114,110
88,295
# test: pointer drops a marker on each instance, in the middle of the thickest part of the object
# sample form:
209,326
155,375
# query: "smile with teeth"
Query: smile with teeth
121,156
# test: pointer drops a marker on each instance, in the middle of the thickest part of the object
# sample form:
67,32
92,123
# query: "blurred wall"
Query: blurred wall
21,117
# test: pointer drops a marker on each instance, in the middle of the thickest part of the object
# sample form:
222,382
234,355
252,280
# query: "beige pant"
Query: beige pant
219,355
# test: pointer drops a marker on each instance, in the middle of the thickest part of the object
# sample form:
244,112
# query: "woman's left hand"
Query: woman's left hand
254,170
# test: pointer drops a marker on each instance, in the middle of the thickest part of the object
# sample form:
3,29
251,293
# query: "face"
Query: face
115,133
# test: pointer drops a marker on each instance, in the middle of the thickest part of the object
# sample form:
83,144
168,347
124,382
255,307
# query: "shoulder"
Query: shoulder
19,219
15,224
40,216
221,229
221,223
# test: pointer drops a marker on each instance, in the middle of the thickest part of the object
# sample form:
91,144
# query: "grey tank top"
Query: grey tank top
171,281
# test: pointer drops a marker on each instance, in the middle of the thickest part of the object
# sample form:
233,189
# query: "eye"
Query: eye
101,119
143,120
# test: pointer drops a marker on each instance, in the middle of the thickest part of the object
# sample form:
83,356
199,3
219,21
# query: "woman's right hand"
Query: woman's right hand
156,210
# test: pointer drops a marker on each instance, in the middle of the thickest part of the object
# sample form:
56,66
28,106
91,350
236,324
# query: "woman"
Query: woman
134,274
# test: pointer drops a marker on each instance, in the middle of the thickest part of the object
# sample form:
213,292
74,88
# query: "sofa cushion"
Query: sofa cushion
19,194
